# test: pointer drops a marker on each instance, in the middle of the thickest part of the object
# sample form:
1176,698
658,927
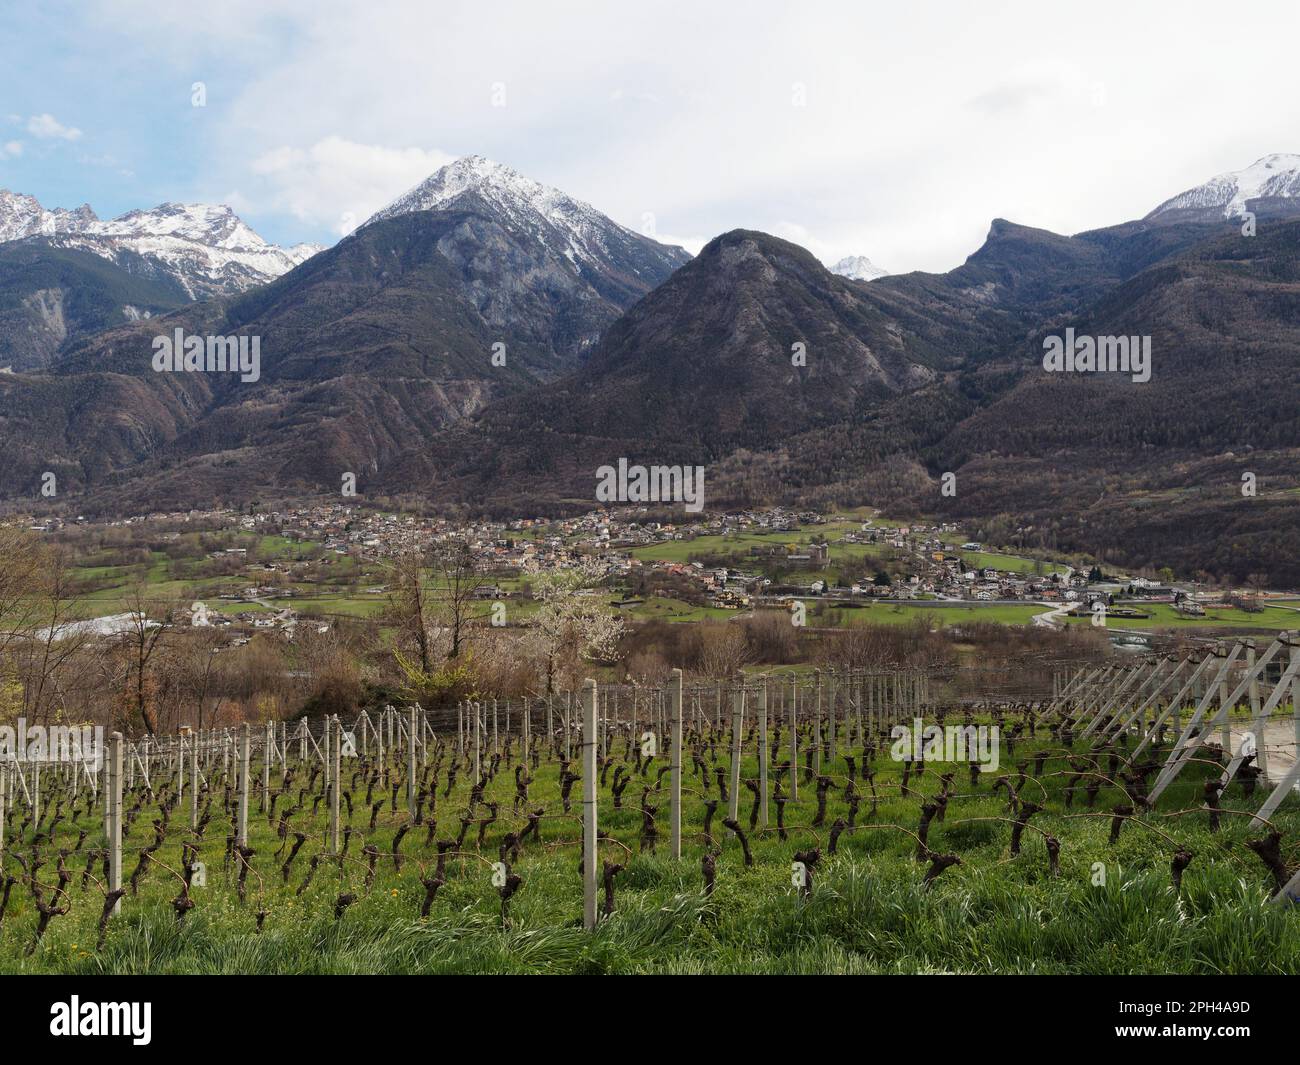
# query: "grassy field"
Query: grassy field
898,613
868,911
661,608
1008,563
1164,616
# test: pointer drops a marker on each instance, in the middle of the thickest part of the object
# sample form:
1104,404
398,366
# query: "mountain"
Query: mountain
1268,186
23,216
567,227
50,296
1144,472
788,383
206,250
750,343
528,252
925,374
415,321
858,268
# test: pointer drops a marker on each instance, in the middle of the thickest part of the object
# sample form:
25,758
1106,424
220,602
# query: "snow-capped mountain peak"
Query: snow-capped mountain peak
1274,177
205,248
213,224
500,185
566,225
858,268
23,216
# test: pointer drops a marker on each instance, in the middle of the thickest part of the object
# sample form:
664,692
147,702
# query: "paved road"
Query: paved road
1048,618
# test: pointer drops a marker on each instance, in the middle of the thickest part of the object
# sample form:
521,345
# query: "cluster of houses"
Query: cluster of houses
903,561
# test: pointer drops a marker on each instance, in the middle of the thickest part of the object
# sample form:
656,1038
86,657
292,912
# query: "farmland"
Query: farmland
416,894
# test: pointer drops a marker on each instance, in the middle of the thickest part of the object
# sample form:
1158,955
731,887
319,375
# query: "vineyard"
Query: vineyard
785,823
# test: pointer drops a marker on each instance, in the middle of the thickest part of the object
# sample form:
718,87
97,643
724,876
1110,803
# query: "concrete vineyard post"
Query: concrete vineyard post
737,714
267,754
830,739
858,715
659,706
526,723
1295,697
1225,731
590,874
817,727
762,751
675,758
115,815
410,764
194,784
605,726
245,751
1262,760
333,724
794,740
478,741
568,726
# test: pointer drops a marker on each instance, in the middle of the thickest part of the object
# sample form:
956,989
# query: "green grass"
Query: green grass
325,605
1164,616
662,608
995,912
898,613
1009,563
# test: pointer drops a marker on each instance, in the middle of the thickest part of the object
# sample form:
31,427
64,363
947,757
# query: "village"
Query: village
722,563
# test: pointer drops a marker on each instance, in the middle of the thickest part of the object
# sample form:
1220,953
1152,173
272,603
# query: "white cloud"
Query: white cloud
11,150
47,127
917,131
338,183
692,244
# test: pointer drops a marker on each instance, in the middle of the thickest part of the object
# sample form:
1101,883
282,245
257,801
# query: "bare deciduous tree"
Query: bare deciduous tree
140,637
460,571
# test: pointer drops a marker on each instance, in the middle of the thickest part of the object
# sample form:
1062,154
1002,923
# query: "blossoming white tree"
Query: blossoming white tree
574,626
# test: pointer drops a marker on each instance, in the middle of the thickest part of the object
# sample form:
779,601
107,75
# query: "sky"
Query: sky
896,131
